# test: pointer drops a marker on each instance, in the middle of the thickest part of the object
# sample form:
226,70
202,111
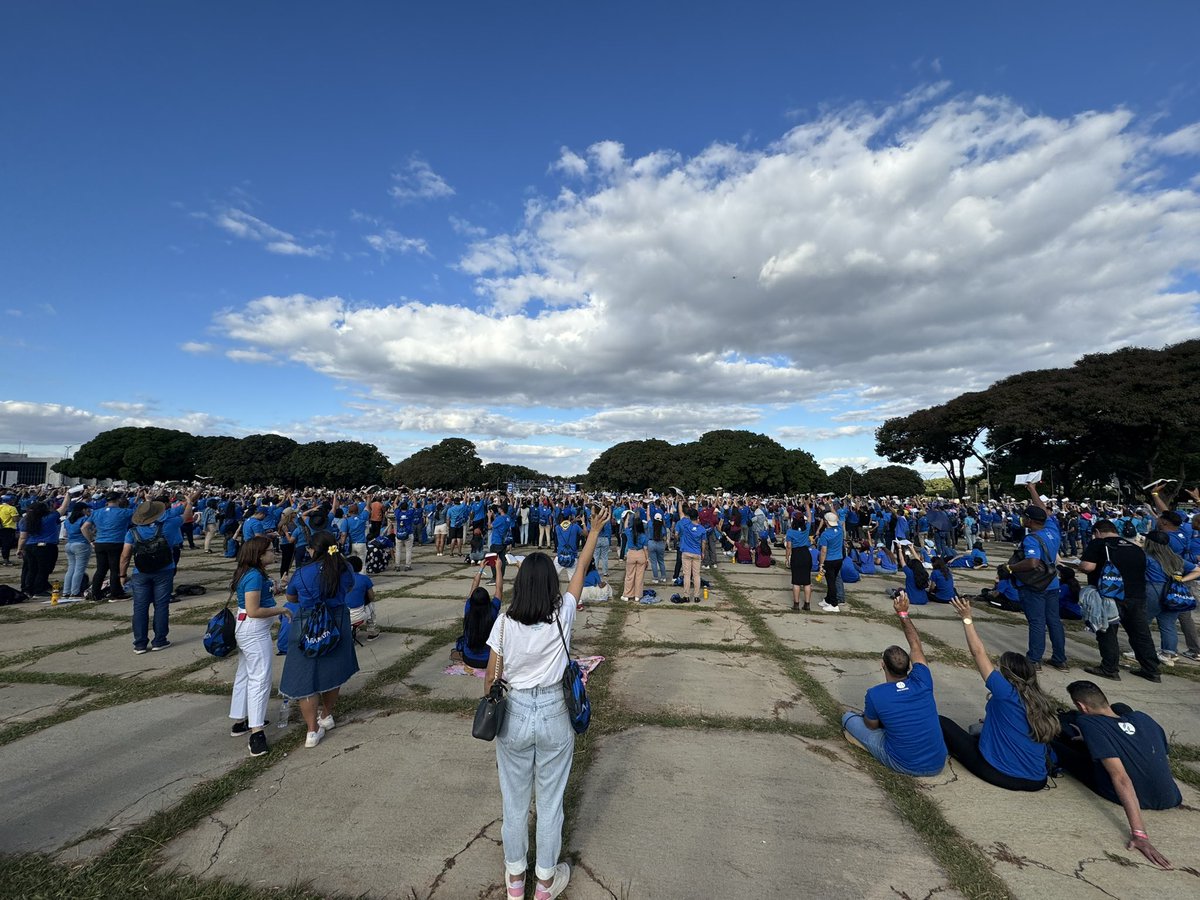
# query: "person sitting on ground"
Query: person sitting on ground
742,553
1120,754
850,572
976,559
884,561
864,560
762,554
1019,720
361,600
595,589
899,725
479,615
941,582
916,576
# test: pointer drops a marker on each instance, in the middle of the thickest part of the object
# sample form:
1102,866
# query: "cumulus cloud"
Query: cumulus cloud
799,434
895,255
55,423
196,347
250,355
417,181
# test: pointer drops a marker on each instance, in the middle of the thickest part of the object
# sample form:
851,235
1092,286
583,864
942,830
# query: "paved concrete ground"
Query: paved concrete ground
712,768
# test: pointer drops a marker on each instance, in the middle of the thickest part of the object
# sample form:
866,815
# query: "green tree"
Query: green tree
340,464
450,463
499,474
803,474
892,481
939,487
741,461
844,480
141,455
944,435
256,459
634,466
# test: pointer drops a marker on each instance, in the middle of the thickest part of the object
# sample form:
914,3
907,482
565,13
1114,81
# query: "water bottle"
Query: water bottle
706,593
284,709
55,593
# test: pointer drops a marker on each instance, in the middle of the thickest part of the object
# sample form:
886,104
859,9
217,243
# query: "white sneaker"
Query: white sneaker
1167,659
562,875
325,722
1129,654
825,607
314,737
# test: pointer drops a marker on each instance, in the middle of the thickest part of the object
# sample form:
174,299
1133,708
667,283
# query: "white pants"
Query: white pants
359,550
407,544
252,683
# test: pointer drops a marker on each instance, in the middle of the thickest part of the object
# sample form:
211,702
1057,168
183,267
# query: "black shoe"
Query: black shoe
1149,676
163,646
1062,666
239,728
1100,673
258,744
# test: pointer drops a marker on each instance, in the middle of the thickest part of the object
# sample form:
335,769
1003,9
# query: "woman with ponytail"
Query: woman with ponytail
1020,719
941,582
328,578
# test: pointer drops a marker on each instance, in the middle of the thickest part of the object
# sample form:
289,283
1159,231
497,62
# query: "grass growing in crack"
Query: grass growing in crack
36,653
969,869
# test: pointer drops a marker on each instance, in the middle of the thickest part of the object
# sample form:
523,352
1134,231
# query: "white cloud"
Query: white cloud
463,227
1184,142
123,406
391,241
895,256
417,181
799,434
196,347
570,163
47,424
250,355
243,225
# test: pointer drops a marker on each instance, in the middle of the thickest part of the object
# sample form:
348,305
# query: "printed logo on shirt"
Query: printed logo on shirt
1128,728
901,686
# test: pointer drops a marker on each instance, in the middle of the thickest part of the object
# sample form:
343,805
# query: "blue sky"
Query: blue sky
551,227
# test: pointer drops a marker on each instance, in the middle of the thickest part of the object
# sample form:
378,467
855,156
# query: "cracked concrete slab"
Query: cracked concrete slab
115,656
36,634
999,637
111,769
708,683
833,631
428,679
418,612
1068,843
698,625
371,816
649,830
26,702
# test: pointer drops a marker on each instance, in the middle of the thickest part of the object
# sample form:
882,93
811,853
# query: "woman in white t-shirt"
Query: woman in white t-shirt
536,742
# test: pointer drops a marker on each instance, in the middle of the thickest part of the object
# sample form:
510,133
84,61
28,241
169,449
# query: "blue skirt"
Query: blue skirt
303,675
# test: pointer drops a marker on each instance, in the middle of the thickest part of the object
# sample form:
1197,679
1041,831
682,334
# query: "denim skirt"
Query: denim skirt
303,675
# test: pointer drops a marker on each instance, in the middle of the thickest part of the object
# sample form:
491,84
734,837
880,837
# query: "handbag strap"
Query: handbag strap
500,655
561,637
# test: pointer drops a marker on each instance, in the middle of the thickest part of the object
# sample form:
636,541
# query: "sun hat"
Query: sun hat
149,512
831,518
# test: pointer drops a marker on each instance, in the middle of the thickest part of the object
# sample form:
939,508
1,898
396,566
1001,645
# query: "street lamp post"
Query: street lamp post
987,465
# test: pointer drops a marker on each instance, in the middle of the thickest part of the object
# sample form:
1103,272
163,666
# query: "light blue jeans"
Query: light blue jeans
79,554
658,559
873,740
536,746
1168,632
603,546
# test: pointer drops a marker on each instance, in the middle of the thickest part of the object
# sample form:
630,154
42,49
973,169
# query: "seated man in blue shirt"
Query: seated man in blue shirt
1121,754
899,724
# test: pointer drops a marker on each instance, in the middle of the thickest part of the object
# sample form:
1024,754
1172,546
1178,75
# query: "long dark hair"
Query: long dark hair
332,567
78,511
1040,710
478,621
535,594
249,559
919,573
34,515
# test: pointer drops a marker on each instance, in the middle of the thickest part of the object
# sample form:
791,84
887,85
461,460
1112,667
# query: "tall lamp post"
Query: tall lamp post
987,467
862,470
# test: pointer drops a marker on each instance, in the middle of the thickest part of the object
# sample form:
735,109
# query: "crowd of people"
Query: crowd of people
309,549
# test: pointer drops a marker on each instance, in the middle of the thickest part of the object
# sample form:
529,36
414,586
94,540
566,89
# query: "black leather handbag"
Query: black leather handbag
489,715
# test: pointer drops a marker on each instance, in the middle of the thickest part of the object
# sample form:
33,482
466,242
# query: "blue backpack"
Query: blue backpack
579,707
219,637
321,633
1111,585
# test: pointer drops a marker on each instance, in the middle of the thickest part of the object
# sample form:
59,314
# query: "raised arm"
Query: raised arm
915,652
974,642
585,555
1036,499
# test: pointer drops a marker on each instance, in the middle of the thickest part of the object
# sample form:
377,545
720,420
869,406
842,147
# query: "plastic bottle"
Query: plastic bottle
284,709
706,593
55,592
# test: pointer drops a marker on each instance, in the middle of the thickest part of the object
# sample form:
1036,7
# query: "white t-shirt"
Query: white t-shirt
533,654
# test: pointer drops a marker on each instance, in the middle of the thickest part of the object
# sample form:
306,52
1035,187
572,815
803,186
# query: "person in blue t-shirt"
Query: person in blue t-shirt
80,535
1120,754
479,615
799,560
1019,720
360,600
566,538
899,724
112,522
406,527
941,582
37,547
256,611
916,576
151,588
831,549
1039,548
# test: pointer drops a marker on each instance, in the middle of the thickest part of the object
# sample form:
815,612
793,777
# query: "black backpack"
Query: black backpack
1128,530
151,554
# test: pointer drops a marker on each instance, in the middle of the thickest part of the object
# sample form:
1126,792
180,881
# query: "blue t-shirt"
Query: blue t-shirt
1141,745
457,515
1052,538
75,531
357,595
305,587
501,528
912,733
47,532
173,526
916,595
1155,573
798,539
568,538
355,527
941,587
885,564
865,560
832,539
254,580
111,524
253,527
591,579
691,535
850,573
1005,741
901,528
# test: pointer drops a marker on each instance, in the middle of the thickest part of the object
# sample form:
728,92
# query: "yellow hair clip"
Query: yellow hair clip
333,550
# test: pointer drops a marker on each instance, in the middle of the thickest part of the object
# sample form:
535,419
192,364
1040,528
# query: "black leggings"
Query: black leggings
833,571
287,552
965,748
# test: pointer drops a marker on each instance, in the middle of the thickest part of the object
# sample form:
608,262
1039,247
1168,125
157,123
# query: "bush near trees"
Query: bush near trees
1129,414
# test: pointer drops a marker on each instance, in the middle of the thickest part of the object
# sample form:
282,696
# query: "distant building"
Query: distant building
21,468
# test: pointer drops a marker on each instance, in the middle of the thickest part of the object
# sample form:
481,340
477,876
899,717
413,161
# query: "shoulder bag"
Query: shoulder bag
579,707
489,714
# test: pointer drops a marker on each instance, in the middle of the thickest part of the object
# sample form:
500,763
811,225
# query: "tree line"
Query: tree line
1111,421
